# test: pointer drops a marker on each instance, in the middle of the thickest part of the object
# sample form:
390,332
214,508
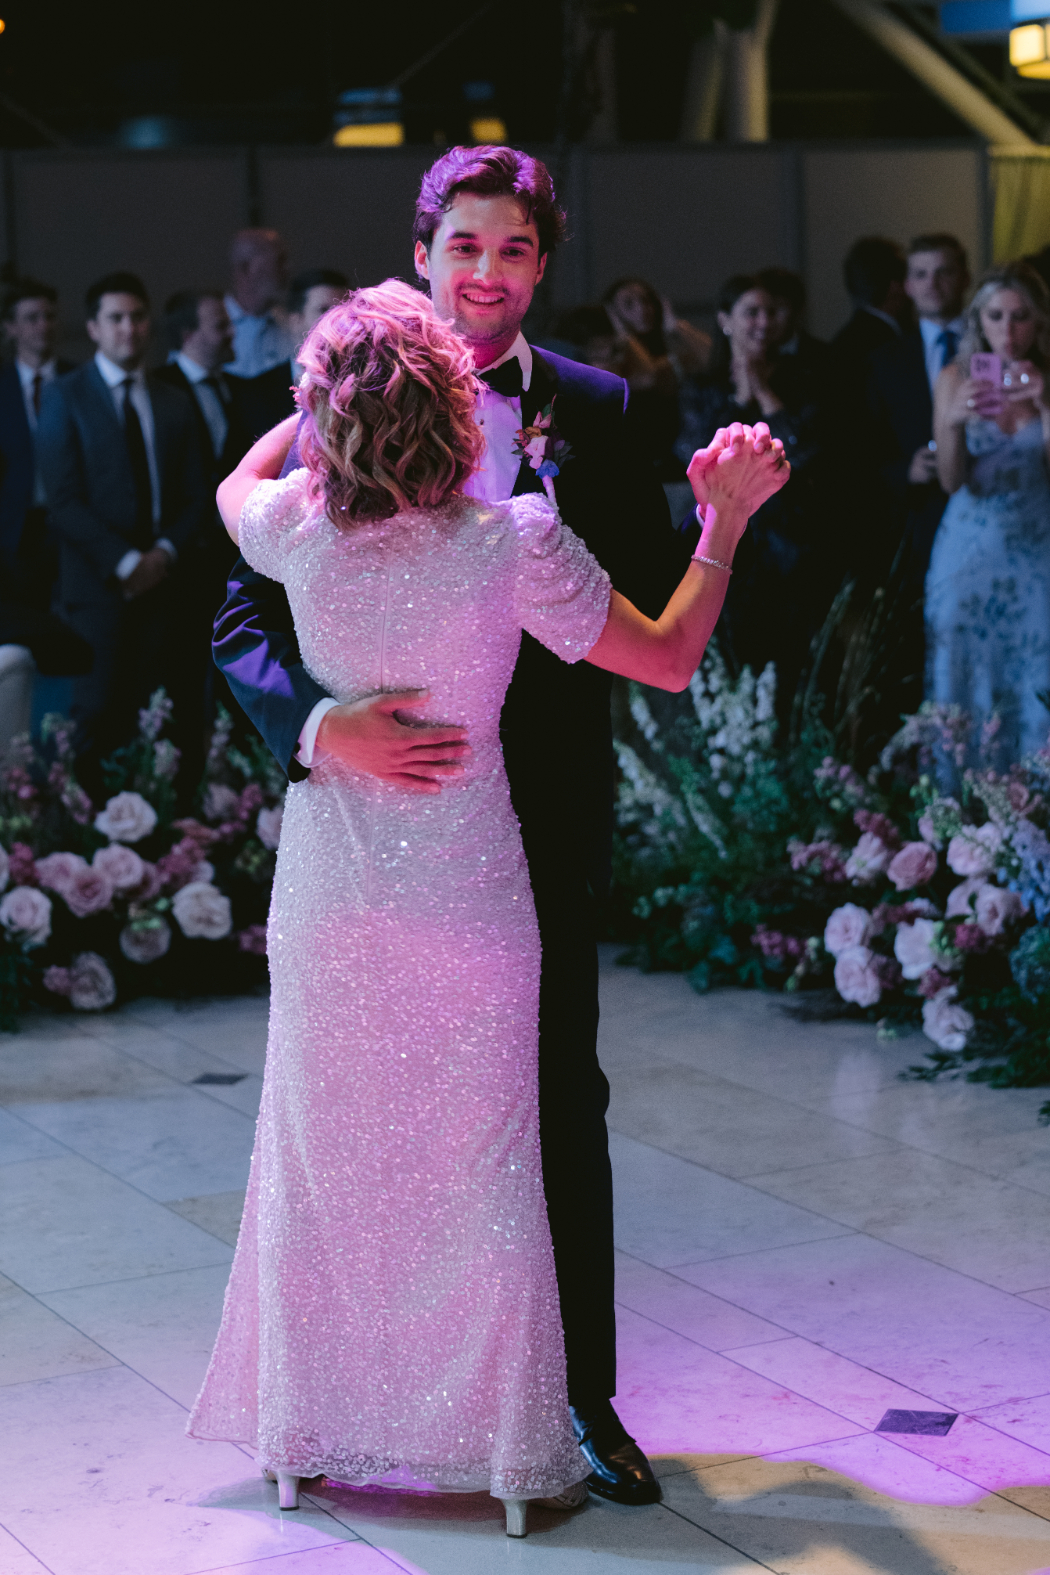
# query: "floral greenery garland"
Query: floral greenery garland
99,904
739,860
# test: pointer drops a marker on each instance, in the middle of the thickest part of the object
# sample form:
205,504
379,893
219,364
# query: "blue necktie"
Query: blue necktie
949,343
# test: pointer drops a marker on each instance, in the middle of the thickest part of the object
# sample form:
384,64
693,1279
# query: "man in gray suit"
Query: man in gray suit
123,471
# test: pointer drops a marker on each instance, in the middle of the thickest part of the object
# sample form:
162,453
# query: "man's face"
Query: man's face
121,329
937,282
320,298
33,329
210,344
262,276
783,321
483,265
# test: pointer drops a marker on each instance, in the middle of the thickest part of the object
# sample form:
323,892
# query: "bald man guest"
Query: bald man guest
255,302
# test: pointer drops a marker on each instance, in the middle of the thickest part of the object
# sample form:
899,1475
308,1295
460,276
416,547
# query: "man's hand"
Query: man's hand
923,467
151,569
370,736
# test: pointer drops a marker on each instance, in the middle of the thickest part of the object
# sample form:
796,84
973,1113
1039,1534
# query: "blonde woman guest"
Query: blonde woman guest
988,586
392,1315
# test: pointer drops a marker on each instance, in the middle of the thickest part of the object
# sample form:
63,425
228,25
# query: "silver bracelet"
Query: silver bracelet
698,557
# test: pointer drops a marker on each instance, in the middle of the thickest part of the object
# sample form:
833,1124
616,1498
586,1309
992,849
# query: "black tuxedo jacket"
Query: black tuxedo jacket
239,437
901,415
857,340
555,728
267,399
17,463
90,485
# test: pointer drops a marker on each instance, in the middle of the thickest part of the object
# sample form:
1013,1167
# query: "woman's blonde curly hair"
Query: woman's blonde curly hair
389,397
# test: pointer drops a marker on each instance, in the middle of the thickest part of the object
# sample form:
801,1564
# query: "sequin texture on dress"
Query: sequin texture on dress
392,1313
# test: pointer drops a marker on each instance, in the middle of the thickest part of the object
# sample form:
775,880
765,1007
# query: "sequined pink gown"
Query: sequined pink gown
392,1313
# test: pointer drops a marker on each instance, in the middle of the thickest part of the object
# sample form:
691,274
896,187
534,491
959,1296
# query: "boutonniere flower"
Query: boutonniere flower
544,448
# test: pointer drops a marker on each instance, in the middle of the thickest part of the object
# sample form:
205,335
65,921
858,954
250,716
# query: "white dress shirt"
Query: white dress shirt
933,344
500,421
115,376
207,396
27,376
259,343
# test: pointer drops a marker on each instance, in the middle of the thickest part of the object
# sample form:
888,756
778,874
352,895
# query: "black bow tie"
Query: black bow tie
505,379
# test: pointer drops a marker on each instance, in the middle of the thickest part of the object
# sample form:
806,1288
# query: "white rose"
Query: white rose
142,944
856,978
946,1023
201,909
958,904
268,826
121,866
973,851
847,926
126,818
869,859
203,872
88,892
5,867
59,870
220,801
91,985
996,908
913,947
25,914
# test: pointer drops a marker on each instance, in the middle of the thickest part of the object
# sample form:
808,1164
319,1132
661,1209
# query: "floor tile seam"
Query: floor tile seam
199,1226
1023,1399
864,1367
999,1493
153,1094
755,1252
969,1416
758,1563
187,1045
129,1279
861,1159
21,1544
712,1350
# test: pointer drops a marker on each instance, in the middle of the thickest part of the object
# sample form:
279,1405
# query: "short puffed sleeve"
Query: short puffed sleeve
271,513
561,591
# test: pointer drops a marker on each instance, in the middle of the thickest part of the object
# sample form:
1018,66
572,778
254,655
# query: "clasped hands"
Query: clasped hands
741,467
1023,381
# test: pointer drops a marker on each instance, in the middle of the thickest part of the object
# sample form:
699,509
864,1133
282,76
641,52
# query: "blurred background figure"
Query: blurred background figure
122,466
258,279
32,641
781,584
988,586
268,397
902,378
874,271
790,334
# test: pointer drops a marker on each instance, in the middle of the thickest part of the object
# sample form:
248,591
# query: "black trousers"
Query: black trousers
574,1096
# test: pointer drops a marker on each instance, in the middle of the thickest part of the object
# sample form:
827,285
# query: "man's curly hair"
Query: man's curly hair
388,396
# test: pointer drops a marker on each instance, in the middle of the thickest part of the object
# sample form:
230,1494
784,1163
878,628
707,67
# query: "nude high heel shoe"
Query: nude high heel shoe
515,1508
287,1487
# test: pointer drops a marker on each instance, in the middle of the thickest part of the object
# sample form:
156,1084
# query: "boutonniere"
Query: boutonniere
544,448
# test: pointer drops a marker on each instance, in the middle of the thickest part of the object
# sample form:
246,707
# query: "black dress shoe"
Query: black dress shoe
619,1470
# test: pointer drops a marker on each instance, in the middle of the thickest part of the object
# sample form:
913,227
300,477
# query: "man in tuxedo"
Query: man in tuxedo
486,222
874,271
258,279
791,337
125,483
268,397
901,379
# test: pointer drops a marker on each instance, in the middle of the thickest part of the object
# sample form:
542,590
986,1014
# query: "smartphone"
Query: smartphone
986,368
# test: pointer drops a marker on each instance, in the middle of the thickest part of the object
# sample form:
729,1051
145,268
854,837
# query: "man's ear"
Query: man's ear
92,330
422,260
542,267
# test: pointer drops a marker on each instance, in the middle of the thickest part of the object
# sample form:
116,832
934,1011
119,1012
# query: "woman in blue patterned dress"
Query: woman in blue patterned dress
988,586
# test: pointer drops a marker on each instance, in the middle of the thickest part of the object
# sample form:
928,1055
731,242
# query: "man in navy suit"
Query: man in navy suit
126,487
486,222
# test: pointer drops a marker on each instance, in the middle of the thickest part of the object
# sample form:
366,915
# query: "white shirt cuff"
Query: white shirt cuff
169,548
308,754
128,564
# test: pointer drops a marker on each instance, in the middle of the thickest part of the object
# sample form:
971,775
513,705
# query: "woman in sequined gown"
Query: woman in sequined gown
392,1313
988,584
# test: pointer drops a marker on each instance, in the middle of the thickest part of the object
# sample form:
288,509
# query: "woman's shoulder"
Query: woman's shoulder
282,500
534,520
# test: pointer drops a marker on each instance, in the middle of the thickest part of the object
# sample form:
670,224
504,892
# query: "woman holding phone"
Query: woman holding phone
988,586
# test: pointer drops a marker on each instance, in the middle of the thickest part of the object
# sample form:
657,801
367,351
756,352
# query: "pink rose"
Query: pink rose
145,943
996,908
201,909
913,947
89,891
958,905
58,980
59,870
121,866
946,1023
92,987
857,976
25,913
869,859
974,851
913,866
848,926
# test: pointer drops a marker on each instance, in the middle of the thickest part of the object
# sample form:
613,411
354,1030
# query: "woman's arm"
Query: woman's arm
732,478
955,400
262,462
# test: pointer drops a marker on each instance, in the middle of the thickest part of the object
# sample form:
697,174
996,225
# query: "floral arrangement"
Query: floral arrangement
103,902
544,448
918,892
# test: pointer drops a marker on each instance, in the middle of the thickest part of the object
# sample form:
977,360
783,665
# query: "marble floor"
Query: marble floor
810,1253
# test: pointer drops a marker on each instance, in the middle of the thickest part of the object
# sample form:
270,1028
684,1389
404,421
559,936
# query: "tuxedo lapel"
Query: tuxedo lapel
540,392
